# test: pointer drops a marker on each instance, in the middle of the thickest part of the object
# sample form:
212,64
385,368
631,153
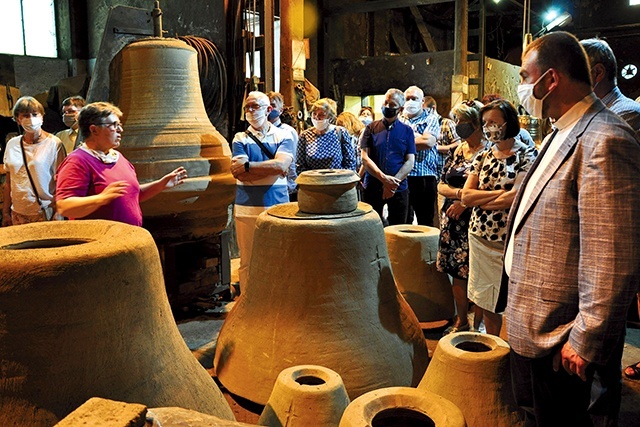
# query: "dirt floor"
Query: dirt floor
201,334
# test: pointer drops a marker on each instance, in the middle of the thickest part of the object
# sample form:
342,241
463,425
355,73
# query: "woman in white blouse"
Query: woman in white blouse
30,199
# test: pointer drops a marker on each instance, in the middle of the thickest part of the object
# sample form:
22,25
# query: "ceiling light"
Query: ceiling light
551,15
558,22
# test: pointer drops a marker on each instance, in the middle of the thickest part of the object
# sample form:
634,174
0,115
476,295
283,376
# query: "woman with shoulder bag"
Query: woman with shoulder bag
31,162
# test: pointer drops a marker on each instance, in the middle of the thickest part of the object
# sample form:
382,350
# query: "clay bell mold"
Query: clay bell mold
306,395
84,313
472,370
413,250
402,406
292,211
320,292
327,191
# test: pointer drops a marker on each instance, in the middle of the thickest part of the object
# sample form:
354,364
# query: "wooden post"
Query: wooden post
459,81
291,29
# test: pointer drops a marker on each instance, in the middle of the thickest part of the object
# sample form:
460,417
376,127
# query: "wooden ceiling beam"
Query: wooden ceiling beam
399,36
338,7
424,31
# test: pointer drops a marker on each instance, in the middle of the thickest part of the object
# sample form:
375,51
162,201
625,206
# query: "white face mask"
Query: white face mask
256,118
528,100
494,132
320,124
366,119
412,107
70,120
31,124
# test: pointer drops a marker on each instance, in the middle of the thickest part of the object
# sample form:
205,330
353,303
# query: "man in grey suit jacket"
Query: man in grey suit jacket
572,255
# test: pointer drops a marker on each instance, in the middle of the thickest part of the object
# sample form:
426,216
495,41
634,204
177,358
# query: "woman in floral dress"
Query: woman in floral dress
490,189
454,218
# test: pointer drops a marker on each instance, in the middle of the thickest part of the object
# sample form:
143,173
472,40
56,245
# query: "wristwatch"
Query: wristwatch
246,166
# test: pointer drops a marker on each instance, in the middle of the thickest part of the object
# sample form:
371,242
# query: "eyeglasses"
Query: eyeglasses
112,125
253,107
469,103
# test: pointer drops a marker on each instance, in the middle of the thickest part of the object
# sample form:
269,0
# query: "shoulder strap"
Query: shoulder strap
346,142
264,149
26,165
344,134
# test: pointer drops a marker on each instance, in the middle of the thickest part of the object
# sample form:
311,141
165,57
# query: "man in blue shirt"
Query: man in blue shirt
260,171
388,153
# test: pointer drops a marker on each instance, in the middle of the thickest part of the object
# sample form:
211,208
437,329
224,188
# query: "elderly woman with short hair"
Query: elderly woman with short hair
28,196
325,145
96,182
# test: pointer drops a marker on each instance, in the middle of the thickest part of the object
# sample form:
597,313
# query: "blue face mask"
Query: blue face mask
274,114
389,112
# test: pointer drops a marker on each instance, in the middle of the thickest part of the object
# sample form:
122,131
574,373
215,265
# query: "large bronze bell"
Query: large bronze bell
84,313
166,126
320,292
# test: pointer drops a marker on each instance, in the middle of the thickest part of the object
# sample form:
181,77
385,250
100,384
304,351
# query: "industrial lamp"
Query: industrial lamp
560,21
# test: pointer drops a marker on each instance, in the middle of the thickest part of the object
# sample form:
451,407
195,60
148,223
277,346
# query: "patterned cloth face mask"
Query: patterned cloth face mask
494,132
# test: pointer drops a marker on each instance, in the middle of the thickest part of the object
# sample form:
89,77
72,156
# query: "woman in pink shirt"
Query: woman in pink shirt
96,181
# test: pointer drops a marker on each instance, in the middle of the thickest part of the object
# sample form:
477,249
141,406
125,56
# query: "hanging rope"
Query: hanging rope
213,74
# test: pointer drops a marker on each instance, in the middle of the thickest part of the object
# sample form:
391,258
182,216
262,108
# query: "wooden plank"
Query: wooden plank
424,31
400,38
339,8
268,63
381,29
